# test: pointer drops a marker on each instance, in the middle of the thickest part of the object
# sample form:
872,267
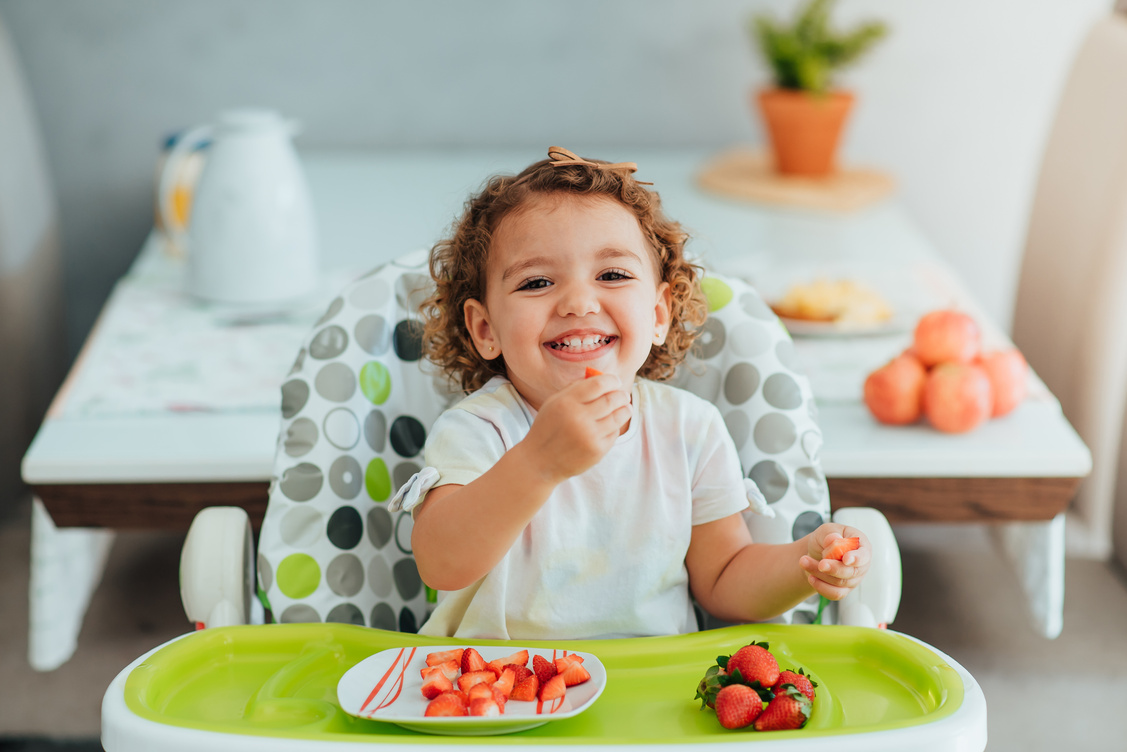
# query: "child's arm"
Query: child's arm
461,532
735,579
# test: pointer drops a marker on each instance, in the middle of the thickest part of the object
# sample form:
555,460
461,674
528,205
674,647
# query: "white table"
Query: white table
113,455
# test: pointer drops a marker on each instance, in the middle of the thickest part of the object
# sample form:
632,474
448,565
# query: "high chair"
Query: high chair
332,560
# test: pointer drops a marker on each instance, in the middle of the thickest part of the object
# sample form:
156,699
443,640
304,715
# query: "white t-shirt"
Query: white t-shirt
605,555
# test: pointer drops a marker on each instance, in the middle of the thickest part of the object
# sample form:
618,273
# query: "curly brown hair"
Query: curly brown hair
457,264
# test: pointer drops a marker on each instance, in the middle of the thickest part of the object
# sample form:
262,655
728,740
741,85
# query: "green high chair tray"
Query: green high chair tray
274,687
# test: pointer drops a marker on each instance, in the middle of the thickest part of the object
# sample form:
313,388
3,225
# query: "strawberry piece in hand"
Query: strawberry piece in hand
589,372
789,710
737,706
840,547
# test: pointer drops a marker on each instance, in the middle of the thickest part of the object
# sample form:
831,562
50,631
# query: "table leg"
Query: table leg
66,567
1036,552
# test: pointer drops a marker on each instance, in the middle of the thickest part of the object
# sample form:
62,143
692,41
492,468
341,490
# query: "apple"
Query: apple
893,391
946,336
957,397
1007,371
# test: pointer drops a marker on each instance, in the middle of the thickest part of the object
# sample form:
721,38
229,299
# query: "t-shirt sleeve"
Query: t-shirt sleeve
461,447
718,483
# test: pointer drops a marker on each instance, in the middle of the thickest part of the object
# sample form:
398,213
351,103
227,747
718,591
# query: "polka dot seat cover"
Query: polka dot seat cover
358,403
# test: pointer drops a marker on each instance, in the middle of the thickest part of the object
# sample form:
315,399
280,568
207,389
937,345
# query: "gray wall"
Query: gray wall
956,103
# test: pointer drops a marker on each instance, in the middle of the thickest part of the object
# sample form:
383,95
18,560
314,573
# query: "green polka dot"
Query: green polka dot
298,576
377,480
432,594
717,292
375,382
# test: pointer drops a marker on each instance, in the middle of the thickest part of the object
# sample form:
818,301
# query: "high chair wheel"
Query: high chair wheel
216,568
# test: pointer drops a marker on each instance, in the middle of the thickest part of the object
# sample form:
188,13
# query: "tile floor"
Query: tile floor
959,596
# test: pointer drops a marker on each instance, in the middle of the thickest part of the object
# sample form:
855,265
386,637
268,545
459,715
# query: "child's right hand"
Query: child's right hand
577,426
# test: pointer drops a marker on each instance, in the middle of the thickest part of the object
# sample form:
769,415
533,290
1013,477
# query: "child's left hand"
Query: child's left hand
830,578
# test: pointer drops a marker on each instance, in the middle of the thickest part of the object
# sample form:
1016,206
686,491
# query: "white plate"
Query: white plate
806,328
388,686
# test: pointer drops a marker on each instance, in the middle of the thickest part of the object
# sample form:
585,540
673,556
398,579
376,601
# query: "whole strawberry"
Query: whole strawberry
709,686
755,664
737,706
800,680
789,710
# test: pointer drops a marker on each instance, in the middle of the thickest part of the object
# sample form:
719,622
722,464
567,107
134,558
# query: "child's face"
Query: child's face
570,283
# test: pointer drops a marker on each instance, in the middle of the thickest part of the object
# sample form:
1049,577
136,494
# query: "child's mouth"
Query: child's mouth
582,344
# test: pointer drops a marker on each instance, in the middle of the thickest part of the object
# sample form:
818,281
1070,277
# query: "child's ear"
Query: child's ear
663,313
477,322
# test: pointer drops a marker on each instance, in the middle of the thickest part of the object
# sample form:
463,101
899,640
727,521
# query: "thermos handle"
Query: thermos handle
185,144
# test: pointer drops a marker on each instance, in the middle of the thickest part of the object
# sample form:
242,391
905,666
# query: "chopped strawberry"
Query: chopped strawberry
552,689
506,682
526,689
520,673
755,664
446,704
799,681
449,670
737,706
574,673
436,684
840,547
433,659
479,690
789,710
544,669
486,706
462,696
485,676
519,658
472,661
588,372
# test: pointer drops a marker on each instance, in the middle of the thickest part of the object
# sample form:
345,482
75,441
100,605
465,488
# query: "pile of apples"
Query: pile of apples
946,377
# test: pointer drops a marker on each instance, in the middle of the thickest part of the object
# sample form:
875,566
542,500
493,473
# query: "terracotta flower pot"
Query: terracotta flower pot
804,129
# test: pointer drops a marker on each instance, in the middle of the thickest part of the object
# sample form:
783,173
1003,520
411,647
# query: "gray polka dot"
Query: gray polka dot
711,340
295,393
784,351
342,429
335,382
771,478
805,523
700,379
739,427
403,527
375,430
301,527
812,444
380,526
373,292
373,334
407,340
265,573
811,485
403,472
379,576
774,433
383,617
406,576
411,290
300,613
407,436
345,575
749,339
740,383
345,528
754,306
328,343
407,622
345,613
801,616
333,309
302,482
346,477
301,437
298,363
782,391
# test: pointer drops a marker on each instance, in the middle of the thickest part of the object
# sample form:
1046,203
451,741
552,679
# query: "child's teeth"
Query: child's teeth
576,343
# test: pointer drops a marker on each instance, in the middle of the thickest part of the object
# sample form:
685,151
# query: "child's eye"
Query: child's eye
536,283
614,275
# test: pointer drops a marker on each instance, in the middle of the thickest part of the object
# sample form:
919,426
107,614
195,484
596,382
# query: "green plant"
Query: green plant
804,55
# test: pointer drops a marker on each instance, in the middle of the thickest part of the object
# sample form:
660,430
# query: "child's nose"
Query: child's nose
578,300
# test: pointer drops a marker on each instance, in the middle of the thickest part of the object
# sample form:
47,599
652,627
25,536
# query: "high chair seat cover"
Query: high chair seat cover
360,399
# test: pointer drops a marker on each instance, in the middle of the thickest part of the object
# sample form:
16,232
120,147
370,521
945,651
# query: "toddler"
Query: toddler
556,505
